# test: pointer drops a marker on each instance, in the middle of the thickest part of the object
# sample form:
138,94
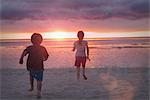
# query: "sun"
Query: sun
60,35
56,35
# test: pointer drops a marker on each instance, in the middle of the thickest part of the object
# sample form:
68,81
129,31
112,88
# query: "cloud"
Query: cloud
74,9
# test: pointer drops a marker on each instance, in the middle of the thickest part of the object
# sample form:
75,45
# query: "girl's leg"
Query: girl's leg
84,73
77,64
83,66
39,87
78,73
31,82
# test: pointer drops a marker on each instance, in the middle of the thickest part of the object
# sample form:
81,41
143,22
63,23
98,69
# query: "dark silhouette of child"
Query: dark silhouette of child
37,54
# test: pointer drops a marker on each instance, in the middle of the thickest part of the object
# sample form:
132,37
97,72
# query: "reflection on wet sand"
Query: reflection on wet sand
118,89
61,84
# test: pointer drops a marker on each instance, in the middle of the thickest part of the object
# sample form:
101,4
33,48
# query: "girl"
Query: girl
82,53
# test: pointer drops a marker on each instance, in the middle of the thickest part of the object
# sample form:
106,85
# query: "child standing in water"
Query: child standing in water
36,55
82,53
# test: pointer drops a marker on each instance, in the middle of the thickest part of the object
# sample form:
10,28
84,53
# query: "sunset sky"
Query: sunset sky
63,18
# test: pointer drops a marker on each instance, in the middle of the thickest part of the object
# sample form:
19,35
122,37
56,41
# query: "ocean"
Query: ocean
108,52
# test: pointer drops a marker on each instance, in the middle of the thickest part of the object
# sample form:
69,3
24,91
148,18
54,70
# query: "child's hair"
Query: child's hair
80,33
36,38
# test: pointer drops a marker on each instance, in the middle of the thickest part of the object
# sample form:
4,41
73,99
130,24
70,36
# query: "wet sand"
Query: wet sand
61,84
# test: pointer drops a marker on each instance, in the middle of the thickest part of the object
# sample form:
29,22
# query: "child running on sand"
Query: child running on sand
36,55
81,46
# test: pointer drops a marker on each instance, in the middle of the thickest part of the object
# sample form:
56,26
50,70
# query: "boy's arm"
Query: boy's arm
46,55
22,56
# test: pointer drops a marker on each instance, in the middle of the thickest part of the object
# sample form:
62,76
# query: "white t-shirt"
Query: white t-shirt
81,48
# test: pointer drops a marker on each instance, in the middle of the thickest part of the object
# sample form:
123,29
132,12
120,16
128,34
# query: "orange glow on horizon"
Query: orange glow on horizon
61,35
57,35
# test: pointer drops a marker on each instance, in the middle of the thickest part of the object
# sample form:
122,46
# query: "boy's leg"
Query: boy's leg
31,82
39,87
39,78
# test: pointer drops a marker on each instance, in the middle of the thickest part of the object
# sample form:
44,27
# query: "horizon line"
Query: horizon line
96,38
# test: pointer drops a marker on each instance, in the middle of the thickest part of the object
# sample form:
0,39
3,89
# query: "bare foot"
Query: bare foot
30,89
85,77
38,95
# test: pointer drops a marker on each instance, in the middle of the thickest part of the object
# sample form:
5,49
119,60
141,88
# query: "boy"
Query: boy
81,46
36,55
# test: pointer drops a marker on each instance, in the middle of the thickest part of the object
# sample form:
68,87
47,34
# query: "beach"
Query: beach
118,70
61,84
51,42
